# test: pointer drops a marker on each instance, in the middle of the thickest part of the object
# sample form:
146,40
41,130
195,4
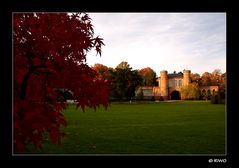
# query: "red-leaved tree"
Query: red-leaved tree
101,70
49,53
149,76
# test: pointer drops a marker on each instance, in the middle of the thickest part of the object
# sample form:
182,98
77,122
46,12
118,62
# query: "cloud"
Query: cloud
171,41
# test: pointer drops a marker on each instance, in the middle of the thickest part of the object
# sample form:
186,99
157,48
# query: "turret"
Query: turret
186,77
164,84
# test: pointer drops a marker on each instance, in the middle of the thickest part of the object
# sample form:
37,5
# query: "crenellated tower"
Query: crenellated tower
186,77
164,84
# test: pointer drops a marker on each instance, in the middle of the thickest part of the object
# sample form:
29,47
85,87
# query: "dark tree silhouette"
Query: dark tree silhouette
123,81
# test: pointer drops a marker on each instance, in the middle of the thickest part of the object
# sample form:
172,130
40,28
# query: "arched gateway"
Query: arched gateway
175,95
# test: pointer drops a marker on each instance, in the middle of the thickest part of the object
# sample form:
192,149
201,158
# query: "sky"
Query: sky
161,41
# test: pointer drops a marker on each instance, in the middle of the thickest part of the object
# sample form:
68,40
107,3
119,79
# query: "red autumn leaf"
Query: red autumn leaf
49,54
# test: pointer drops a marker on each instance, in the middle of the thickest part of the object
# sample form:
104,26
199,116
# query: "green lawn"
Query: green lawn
189,127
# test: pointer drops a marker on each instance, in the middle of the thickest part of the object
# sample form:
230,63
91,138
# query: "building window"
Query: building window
180,82
170,83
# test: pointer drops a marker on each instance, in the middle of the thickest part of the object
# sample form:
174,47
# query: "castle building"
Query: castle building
170,84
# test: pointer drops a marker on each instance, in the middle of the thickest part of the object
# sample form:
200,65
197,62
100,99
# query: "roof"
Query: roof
146,87
175,75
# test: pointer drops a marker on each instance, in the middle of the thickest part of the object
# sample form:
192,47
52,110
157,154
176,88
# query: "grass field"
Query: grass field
189,127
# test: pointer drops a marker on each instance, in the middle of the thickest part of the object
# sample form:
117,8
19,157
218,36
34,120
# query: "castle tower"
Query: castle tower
186,77
164,84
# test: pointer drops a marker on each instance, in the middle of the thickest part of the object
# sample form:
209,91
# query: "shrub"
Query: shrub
139,94
190,92
218,97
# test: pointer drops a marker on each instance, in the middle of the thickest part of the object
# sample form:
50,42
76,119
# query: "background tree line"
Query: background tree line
124,82
216,78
